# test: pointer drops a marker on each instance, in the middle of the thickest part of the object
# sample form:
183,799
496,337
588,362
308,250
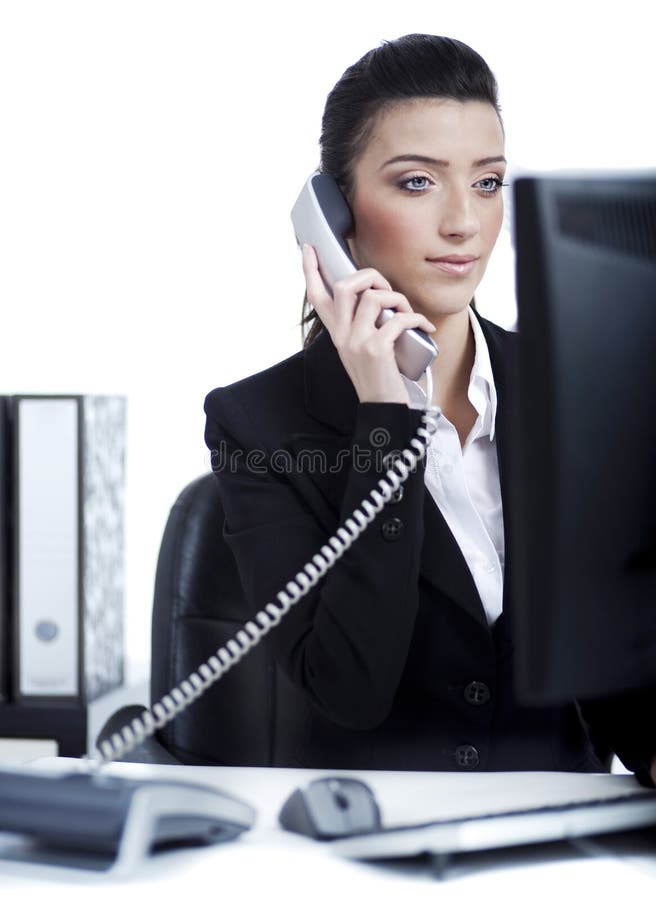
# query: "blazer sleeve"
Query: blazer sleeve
345,643
627,723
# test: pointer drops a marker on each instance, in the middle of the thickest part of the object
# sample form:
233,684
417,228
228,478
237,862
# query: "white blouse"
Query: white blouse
464,481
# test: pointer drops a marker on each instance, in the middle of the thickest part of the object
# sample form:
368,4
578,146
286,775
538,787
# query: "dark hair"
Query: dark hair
410,67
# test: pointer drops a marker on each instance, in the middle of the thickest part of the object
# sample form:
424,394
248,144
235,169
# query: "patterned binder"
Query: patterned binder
68,471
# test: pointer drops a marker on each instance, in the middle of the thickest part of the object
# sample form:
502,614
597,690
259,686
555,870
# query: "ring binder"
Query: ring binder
62,465
68,459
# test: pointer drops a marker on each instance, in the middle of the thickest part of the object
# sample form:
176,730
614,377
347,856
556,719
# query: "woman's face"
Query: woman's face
427,200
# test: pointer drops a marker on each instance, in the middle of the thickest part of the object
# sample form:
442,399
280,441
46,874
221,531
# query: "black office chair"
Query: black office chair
252,716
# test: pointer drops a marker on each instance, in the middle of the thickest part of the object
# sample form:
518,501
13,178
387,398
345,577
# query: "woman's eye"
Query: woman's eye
416,183
490,185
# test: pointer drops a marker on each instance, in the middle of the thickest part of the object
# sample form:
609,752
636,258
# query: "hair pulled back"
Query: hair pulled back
408,68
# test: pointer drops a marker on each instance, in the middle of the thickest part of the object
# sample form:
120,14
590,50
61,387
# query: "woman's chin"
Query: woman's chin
438,307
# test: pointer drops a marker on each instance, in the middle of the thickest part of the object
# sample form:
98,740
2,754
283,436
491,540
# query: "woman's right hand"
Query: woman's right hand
366,351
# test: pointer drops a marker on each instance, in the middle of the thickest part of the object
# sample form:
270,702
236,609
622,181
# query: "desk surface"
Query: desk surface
269,861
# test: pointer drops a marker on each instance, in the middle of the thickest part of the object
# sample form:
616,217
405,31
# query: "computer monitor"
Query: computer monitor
583,532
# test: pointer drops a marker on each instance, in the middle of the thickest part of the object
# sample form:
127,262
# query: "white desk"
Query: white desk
274,864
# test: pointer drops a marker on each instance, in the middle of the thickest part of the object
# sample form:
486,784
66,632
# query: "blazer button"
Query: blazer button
392,529
477,693
397,495
467,756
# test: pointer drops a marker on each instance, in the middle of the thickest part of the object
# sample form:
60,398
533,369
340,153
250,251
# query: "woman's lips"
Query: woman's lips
454,265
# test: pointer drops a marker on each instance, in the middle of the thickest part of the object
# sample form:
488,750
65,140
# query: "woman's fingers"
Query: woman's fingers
387,334
369,310
337,312
351,317
317,292
347,297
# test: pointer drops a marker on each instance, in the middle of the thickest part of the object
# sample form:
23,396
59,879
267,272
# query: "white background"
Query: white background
150,152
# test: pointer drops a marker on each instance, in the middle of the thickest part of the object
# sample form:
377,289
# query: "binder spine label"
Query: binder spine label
48,547
5,587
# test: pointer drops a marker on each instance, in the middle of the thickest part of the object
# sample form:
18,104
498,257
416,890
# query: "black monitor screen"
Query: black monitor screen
583,535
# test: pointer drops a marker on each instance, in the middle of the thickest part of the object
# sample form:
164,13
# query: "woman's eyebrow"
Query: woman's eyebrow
431,161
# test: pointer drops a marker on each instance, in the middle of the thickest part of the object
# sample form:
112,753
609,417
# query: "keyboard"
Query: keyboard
116,819
530,825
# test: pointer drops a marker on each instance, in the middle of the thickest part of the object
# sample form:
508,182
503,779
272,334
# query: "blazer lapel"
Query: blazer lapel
444,566
442,561
503,353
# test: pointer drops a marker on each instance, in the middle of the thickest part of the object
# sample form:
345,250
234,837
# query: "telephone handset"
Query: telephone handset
322,218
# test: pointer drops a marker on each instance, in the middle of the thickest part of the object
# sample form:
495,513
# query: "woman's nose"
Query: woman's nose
459,217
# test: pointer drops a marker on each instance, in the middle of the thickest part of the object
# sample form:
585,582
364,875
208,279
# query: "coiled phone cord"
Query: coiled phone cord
253,631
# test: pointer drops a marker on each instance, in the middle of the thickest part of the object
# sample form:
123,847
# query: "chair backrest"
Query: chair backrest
251,716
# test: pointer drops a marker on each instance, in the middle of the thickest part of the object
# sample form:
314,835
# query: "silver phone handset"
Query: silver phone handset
322,218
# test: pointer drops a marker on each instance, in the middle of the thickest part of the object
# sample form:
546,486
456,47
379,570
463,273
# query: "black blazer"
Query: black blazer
390,656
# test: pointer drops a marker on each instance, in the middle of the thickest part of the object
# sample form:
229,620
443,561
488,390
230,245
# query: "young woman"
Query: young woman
401,657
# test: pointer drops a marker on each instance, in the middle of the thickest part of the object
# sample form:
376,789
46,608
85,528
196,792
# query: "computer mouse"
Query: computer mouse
329,808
